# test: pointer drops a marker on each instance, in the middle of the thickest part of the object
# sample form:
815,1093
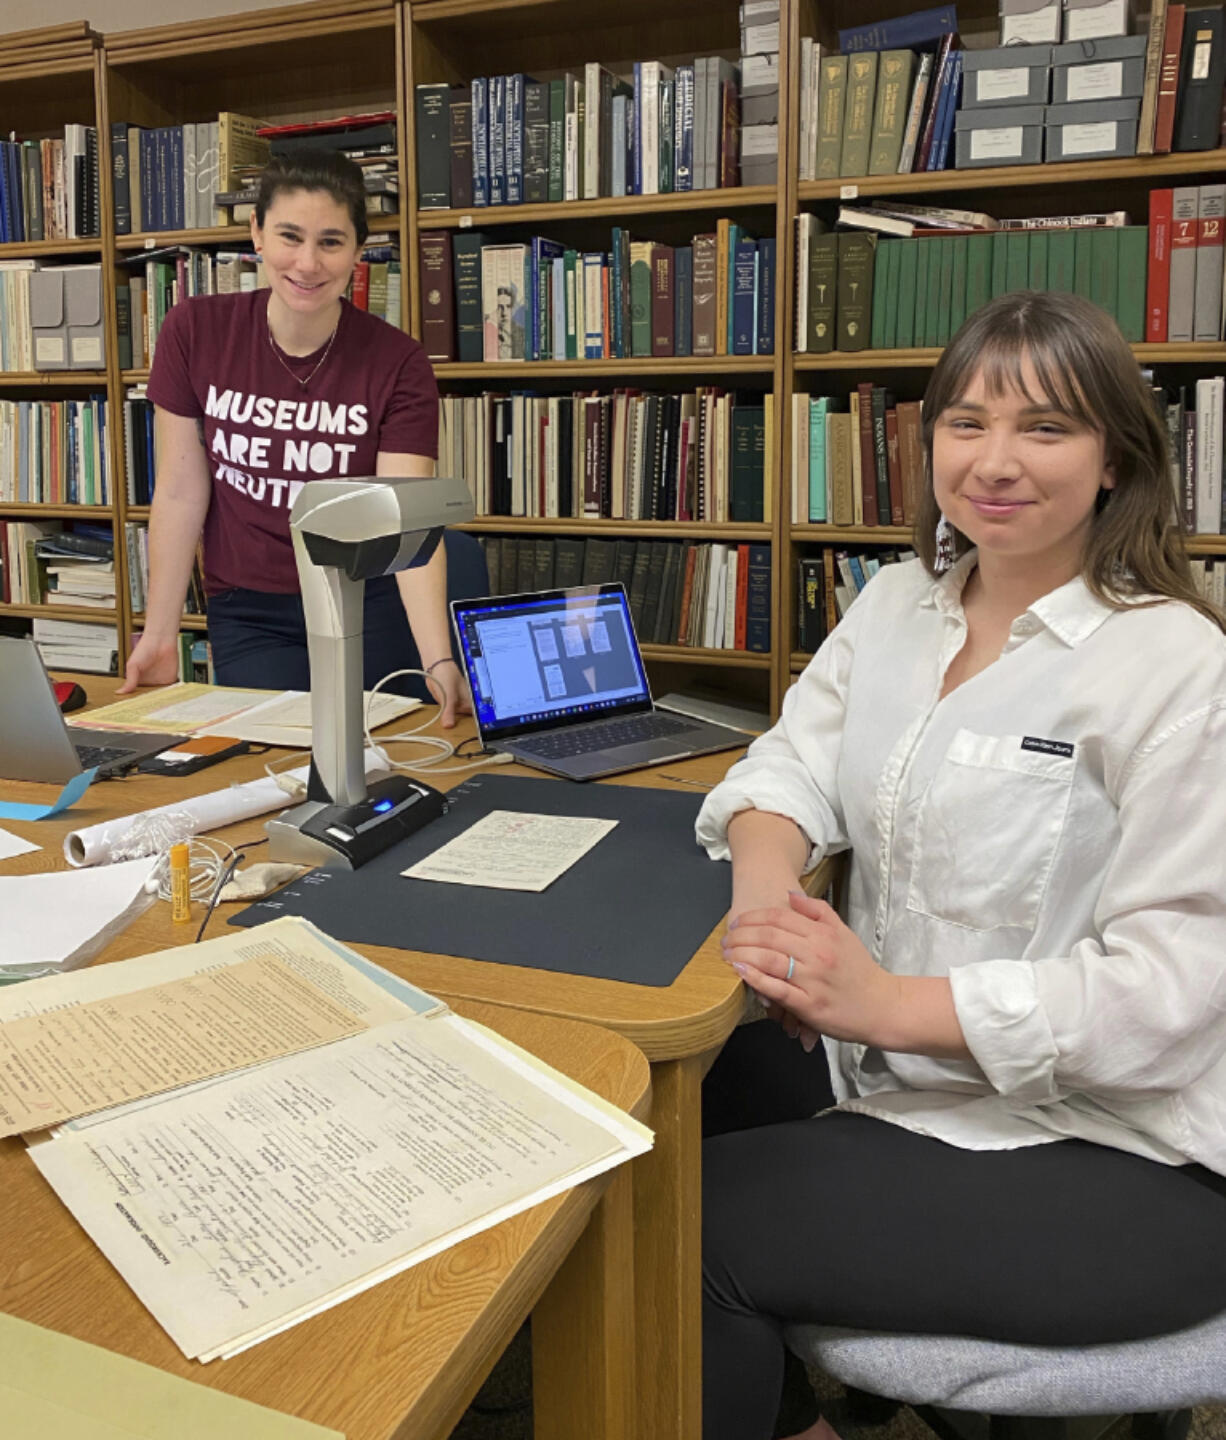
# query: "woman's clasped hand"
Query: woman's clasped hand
808,963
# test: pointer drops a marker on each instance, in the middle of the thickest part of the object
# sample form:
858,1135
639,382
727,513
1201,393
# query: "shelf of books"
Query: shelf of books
57,511
944,158
682,270
597,215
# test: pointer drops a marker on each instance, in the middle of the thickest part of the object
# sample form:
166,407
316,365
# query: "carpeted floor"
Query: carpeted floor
503,1409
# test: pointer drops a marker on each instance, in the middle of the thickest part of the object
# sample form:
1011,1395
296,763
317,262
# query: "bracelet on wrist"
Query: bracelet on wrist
442,660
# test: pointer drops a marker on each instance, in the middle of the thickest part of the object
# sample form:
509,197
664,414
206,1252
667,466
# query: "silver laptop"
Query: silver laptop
36,744
557,681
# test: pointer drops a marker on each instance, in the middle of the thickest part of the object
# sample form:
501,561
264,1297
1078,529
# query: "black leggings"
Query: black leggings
847,1220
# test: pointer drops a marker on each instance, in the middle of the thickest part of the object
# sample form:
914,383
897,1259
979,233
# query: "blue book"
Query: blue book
766,297
683,300
734,239
17,209
617,338
162,178
542,256
515,139
859,578
5,235
621,143
942,104
11,227
758,600
16,187
498,139
908,32
635,176
559,308
177,220
481,141
683,170
941,142
744,320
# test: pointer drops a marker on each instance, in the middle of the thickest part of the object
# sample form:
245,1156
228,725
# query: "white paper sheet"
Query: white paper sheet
11,845
56,921
507,850
285,720
237,1210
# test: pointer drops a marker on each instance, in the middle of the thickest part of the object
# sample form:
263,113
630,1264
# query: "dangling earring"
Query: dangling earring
945,556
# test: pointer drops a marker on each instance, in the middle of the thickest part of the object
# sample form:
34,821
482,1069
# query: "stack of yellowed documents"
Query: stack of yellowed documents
258,1127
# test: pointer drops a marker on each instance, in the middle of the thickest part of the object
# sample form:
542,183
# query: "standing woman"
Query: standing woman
255,394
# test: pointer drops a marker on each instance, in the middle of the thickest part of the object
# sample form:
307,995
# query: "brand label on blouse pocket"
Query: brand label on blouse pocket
1048,747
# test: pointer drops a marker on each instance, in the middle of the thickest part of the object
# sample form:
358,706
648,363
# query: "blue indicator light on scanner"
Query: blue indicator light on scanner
382,806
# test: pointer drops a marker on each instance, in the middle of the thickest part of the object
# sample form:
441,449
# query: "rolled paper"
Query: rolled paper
98,844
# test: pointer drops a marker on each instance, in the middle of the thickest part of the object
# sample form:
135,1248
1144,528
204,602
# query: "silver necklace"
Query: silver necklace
315,371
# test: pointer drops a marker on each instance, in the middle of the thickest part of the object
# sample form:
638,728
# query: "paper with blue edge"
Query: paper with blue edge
68,796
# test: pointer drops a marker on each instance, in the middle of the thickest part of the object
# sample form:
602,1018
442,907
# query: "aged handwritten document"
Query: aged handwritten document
239,1205
506,850
70,1062
244,1206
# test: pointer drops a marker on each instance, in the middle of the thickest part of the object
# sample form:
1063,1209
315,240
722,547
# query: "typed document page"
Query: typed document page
242,1207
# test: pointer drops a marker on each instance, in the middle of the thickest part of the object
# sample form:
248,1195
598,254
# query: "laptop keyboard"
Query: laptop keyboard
91,755
608,735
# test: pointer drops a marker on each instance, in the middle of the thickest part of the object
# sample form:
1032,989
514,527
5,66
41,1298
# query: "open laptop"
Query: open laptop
36,744
557,681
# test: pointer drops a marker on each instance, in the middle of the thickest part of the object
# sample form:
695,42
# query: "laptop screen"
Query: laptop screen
539,660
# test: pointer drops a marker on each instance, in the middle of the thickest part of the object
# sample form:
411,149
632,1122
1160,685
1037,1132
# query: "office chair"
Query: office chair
968,1389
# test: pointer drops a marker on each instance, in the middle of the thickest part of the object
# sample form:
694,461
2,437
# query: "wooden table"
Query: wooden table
679,1028
401,1361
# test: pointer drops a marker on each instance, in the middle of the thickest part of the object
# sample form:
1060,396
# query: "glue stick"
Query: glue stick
180,884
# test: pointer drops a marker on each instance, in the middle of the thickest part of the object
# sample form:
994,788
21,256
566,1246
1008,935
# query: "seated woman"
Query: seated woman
1021,752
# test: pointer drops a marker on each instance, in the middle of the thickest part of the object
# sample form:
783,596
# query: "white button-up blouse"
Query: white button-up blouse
1051,835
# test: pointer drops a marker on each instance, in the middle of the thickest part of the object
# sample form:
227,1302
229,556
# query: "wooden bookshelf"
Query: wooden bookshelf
609,208
53,379
50,249
21,509
103,616
505,372
1149,169
234,237
741,659
646,529
344,56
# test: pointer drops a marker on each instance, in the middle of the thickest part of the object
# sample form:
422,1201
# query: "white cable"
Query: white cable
206,862
444,748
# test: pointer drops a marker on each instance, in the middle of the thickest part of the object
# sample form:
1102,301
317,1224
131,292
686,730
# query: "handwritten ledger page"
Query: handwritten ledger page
239,1207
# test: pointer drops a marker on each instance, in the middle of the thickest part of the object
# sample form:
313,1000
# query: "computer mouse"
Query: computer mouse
69,695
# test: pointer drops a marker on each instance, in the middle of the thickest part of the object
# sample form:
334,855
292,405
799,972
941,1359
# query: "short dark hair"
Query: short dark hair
326,170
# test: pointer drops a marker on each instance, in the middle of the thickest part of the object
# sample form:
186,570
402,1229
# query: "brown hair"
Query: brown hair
326,170
1086,371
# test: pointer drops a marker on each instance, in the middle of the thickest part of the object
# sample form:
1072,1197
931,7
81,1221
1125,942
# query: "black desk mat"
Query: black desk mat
636,907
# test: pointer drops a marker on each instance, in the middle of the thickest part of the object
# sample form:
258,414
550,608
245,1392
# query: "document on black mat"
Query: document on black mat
509,850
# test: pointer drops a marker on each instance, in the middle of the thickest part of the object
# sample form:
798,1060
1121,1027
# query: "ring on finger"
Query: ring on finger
791,967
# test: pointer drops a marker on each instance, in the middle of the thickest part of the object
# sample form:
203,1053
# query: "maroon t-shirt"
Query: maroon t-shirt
266,435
